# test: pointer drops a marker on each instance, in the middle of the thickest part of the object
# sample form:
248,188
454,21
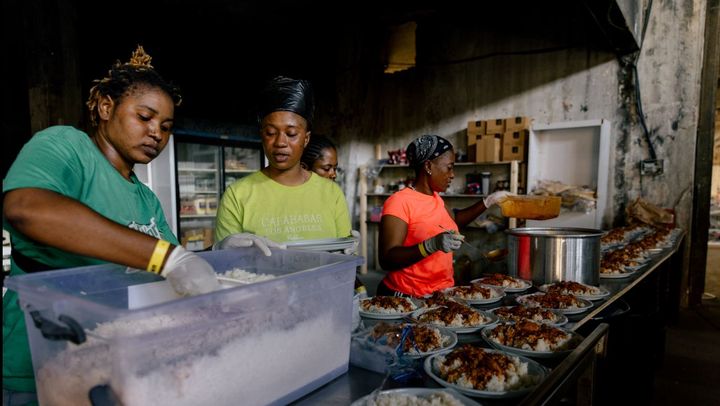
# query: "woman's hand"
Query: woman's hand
496,197
188,274
446,242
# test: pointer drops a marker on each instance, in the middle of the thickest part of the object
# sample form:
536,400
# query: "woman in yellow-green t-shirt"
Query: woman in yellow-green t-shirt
283,202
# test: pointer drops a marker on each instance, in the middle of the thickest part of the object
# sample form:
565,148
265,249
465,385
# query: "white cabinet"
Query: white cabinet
370,177
574,153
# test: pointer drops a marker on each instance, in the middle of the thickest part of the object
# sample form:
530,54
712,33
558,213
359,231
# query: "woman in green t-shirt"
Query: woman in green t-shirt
72,199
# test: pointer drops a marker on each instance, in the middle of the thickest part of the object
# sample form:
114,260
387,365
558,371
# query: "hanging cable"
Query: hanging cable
641,114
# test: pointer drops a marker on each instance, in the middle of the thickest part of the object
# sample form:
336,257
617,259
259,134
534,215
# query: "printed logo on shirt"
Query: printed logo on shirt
292,225
149,229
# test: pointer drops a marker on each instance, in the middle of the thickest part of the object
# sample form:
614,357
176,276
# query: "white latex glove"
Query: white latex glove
353,250
189,274
445,242
242,240
496,197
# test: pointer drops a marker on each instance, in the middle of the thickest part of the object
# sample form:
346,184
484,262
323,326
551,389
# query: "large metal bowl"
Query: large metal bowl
553,254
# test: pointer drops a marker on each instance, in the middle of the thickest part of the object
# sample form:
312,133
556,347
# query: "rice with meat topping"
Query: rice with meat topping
502,280
551,300
573,288
480,369
474,292
453,314
529,335
387,305
419,340
520,312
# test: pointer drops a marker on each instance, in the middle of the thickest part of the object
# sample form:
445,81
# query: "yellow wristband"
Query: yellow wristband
158,256
423,252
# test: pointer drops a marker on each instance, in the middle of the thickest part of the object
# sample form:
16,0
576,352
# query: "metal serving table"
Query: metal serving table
590,373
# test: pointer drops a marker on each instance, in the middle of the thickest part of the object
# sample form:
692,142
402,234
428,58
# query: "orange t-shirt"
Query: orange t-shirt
424,215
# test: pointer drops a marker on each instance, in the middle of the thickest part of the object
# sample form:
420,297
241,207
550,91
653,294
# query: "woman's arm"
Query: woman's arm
393,255
464,216
64,223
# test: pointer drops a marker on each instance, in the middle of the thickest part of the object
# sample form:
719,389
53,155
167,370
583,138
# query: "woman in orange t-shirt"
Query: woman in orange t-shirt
413,247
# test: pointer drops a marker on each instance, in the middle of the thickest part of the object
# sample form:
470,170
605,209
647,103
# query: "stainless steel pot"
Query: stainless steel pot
547,255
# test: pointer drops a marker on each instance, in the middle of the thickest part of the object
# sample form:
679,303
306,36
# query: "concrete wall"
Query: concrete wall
576,83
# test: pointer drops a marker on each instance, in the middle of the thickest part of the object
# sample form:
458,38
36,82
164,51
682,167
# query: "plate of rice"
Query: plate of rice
575,288
506,282
483,372
416,397
454,316
387,307
475,294
567,304
417,340
516,313
532,339
614,273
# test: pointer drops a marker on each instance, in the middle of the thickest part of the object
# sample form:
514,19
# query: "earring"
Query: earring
429,172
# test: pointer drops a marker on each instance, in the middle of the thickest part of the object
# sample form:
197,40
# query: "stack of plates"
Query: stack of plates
326,244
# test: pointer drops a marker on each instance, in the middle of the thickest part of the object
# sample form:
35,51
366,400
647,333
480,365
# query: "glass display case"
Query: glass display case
205,167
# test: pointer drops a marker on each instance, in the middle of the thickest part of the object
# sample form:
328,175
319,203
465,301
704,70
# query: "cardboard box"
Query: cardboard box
517,123
471,139
474,129
495,126
517,137
488,147
513,152
477,127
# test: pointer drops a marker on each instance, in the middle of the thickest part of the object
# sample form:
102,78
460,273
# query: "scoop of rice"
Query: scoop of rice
400,399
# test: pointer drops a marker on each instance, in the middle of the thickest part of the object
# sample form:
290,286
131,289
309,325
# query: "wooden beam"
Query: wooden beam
703,157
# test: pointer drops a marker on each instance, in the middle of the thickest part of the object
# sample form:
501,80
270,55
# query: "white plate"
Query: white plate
384,316
527,286
562,319
325,244
587,304
534,369
575,339
458,330
423,393
633,268
616,275
498,291
603,292
449,340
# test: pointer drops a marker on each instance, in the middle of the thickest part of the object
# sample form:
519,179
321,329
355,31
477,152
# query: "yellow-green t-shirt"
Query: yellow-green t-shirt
259,205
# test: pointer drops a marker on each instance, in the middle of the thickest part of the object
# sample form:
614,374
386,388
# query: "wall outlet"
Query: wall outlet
651,167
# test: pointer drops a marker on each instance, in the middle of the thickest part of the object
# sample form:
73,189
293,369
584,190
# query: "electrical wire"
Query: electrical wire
641,114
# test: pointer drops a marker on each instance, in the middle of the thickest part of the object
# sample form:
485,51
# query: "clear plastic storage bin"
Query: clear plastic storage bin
269,342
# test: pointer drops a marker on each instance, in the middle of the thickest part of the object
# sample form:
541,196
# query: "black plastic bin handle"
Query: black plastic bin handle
53,331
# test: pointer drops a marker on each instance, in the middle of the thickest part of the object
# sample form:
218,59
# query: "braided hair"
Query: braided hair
124,78
313,150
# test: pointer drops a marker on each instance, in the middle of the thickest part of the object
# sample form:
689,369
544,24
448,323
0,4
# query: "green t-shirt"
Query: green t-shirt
66,161
259,205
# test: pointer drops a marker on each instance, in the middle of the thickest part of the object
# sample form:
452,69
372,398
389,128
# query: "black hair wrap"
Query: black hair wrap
286,94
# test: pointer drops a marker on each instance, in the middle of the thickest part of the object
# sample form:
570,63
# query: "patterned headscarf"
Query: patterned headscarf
426,148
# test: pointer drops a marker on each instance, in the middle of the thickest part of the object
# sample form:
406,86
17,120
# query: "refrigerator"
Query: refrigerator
191,174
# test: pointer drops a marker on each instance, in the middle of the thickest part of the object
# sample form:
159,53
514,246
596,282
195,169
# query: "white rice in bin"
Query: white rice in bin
242,275
225,366
399,399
